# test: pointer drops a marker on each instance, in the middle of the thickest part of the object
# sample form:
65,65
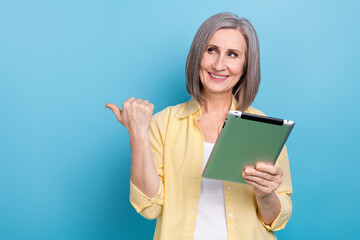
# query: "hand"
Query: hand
265,178
135,115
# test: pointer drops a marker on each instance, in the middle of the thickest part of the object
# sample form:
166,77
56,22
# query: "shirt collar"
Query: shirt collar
193,106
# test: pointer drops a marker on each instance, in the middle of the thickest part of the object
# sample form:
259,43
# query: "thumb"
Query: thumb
116,110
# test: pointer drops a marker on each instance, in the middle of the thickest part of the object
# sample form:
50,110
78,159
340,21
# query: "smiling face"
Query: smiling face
223,61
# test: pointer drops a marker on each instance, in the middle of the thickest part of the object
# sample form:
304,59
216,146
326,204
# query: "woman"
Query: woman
170,149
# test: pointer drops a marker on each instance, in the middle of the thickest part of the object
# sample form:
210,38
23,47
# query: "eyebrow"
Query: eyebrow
229,50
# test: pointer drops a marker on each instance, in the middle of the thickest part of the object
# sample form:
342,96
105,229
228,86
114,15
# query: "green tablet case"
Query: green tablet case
244,140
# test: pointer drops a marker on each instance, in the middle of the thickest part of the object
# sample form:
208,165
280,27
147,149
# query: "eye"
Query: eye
211,50
233,54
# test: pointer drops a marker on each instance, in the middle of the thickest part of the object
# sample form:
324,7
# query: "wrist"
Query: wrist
138,139
269,207
139,135
266,198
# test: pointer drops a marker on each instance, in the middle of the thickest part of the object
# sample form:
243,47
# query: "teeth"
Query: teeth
218,77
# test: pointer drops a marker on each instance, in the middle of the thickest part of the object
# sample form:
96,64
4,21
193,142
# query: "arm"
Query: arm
265,179
143,172
146,192
272,188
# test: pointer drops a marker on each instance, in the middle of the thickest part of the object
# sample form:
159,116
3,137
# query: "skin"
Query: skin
265,178
224,58
136,117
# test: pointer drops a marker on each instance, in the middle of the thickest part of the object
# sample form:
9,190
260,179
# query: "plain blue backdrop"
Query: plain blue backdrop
65,160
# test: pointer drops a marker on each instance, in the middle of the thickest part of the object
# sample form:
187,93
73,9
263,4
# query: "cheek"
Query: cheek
237,68
206,61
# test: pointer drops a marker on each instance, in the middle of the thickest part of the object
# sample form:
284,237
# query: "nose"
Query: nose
219,64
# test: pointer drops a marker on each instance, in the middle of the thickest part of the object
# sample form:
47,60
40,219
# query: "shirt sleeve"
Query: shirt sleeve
284,193
151,208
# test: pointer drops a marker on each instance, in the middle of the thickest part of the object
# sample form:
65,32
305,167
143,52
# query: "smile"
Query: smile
218,77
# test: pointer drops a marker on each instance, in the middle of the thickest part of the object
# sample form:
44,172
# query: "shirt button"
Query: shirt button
230,215
228,188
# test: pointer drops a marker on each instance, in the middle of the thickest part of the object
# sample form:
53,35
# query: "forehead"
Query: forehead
228,39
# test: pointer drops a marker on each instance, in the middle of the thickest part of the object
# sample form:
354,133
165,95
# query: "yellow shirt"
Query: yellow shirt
177,145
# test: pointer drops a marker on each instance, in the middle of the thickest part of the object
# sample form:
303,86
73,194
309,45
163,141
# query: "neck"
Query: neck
216,104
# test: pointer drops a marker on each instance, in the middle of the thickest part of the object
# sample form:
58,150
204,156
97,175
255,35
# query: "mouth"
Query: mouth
218,77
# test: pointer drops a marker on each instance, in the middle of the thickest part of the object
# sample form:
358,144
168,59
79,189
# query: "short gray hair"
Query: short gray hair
247,87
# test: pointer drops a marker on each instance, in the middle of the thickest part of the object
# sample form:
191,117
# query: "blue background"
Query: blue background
65,160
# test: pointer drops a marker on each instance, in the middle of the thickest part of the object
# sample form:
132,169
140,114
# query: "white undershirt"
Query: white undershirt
211,217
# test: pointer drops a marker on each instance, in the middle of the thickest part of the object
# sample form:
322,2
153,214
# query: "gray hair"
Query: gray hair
247,87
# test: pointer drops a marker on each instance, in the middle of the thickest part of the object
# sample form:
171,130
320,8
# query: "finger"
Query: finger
261,181
266,163
148,105
130,99
116,110
271,169
259,188
267,176
151,106
138,101
128,103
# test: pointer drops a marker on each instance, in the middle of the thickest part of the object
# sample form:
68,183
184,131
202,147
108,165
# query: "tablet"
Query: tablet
245,139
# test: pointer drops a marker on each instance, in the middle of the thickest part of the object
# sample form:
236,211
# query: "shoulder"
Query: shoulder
171,112
253,110
160,121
